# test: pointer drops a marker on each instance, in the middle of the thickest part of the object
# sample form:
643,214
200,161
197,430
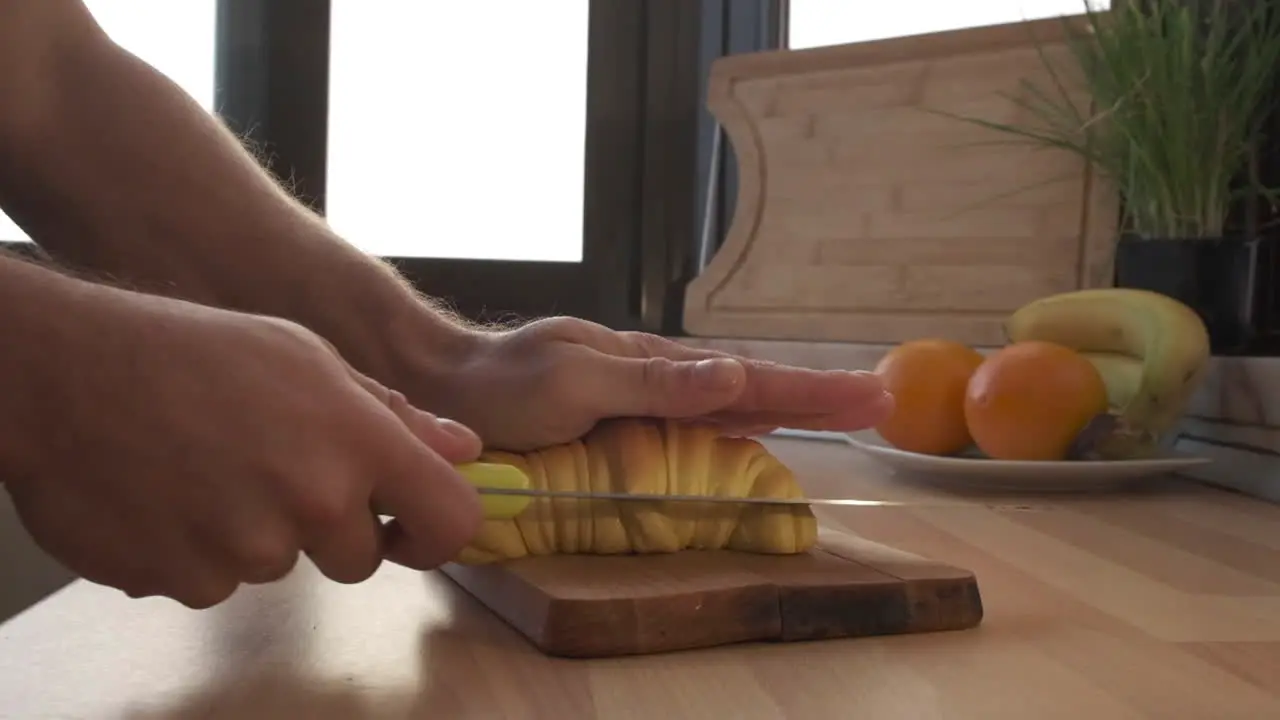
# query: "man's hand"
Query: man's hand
170,449
552,380
203,221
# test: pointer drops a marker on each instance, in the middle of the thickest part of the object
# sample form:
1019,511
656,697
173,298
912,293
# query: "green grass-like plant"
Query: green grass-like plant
1180,90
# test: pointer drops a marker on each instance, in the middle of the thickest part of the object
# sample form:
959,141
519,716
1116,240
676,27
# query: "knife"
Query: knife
507,493
663,497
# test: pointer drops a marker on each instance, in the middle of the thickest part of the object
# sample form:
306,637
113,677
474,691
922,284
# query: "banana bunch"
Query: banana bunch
1151,350
651,457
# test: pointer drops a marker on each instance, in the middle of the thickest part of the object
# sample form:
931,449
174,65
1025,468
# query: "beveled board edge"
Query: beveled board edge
914,597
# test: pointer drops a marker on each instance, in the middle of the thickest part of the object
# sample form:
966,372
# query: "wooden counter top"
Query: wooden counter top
1162,604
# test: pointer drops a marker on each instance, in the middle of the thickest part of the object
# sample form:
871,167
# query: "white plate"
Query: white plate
1024,476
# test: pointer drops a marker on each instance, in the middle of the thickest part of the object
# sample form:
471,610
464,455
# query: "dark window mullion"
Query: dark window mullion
683,39
615,146
670,186
272,86
603,287
728,27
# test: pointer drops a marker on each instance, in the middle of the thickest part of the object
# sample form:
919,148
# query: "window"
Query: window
514,159
177,38
816,23
453,134
491,150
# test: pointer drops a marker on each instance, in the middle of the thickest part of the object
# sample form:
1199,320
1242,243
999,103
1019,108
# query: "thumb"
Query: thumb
662,387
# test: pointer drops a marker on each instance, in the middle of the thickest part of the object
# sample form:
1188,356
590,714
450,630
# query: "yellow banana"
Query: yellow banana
1167,337
1121,374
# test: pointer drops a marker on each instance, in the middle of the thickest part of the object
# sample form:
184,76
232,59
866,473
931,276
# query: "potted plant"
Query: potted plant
1181,92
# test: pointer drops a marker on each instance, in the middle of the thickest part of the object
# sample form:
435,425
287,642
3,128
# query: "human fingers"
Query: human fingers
250,539
835,400
322,508
436,511
640,374
728,426
350,549
840,396
181,571
198,584
105,547
824,399
659,387
850,420
450,439
179,565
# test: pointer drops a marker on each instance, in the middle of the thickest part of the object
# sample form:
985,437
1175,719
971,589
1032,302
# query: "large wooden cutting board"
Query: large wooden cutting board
864,214
597,606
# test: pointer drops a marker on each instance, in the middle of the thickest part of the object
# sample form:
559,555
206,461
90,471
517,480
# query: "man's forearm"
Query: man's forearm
116,171
49,332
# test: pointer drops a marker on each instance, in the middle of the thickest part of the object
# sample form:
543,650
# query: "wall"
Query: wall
27,574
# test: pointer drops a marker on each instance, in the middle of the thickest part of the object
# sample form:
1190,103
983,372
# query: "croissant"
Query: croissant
649,456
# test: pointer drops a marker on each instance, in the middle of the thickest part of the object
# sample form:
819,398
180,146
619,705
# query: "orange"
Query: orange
927,379
1029,401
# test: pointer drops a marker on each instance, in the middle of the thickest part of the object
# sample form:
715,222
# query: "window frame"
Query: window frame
274,78
729,27
649,151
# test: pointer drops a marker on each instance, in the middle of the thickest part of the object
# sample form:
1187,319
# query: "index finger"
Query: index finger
436,511
785,391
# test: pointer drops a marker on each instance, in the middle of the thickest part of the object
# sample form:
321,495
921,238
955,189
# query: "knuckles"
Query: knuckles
206,594
399,405
318,492
563,328
323,505
265,557
352,574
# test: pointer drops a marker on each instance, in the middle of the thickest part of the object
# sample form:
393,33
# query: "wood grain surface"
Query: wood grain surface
1162,603
865,214
590,607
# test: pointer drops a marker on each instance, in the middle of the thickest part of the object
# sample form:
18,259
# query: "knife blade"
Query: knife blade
663,497
508,491
734,499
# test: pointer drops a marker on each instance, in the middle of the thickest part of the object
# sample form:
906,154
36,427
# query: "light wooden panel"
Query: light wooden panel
864,216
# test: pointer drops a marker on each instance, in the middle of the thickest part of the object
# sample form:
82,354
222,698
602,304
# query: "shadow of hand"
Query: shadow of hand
474,666
272,695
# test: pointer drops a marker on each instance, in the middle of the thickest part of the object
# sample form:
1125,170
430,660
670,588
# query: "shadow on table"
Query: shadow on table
281,694
477,667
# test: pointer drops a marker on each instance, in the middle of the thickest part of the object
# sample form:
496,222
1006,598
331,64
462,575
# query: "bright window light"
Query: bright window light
174,36
457,130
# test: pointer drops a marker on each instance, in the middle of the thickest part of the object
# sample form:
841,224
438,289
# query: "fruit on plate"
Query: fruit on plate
927,379
1121,373
1166,337
1030,400
649,456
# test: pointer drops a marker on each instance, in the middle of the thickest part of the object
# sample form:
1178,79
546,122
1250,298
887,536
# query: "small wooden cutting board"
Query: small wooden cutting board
587,606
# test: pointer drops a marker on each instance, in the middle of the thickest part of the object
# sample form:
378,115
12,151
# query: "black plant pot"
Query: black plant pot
1226,280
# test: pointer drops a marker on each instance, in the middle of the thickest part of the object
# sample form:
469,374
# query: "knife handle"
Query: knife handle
496,475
